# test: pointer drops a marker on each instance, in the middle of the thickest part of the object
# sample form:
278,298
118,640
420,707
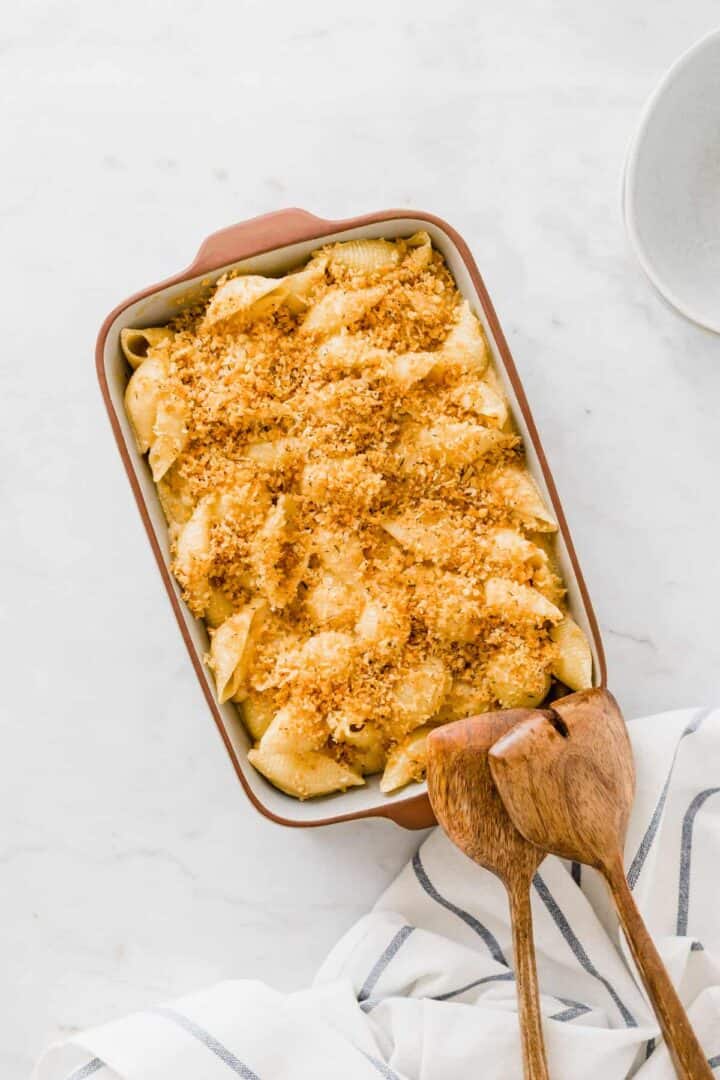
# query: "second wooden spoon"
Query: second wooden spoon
567,779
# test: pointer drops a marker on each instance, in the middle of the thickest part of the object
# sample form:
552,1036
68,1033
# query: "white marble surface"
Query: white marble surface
131,866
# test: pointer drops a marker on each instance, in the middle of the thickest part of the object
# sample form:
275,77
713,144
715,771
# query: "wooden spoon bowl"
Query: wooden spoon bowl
567,775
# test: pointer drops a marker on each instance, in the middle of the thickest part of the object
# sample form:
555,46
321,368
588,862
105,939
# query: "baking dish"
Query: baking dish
271,245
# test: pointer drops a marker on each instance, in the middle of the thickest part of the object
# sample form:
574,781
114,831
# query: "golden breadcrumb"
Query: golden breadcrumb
348,460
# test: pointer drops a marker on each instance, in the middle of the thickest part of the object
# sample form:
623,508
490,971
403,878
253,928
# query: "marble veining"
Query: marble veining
132,869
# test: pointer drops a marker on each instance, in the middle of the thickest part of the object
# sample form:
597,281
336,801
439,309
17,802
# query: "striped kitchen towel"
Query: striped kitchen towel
422,988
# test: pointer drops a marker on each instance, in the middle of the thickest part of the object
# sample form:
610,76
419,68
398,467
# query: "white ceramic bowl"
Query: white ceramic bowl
671,190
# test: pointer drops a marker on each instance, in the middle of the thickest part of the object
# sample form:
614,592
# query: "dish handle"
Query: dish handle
264,233
414,813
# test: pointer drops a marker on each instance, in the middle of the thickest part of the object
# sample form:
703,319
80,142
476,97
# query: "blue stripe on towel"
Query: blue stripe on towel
87,1070
646,843
686,858
382,962
381,1067
208,1040
503,976
579,952
470,920
574,1009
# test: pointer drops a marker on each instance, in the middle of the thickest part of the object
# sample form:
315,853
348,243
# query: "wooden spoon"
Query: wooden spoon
567,779
471,812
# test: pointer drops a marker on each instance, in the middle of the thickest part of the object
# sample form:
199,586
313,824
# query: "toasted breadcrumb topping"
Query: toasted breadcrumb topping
348,459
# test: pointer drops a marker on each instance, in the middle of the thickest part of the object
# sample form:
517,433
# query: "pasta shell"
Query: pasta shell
272,453
420,252
520,493
382,627
516,601
192,556
447,603
247,296
251,296
333,603
194,540
170,435
258,710
294,728
348,480
232,648
219,608
136,344
340,552
339,308
420,692
328,655
465,344
365,256
368,759
512,681
509,548
465,699
295,289
449,442
175,498
412,367
407,761
482,400
573,665
351,726
142,399
428,536
304,774
279,553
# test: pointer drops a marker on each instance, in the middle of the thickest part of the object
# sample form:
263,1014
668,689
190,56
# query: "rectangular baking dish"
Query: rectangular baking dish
272,245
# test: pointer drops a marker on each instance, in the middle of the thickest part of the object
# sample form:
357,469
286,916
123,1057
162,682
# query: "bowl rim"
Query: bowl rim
261,235
629,180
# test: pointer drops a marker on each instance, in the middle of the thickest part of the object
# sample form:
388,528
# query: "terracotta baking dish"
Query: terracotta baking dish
271,245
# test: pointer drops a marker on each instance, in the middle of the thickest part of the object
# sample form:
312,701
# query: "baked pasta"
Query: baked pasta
350,512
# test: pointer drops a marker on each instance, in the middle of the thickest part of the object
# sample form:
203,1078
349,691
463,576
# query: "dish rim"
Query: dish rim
259,236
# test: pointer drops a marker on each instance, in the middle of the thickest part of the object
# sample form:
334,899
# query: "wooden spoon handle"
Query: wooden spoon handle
682,1042
533,1044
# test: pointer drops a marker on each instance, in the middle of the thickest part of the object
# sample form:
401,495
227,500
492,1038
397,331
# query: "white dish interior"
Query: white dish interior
163,306
672,185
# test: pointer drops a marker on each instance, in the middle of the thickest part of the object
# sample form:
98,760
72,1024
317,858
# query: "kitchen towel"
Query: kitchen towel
422,988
